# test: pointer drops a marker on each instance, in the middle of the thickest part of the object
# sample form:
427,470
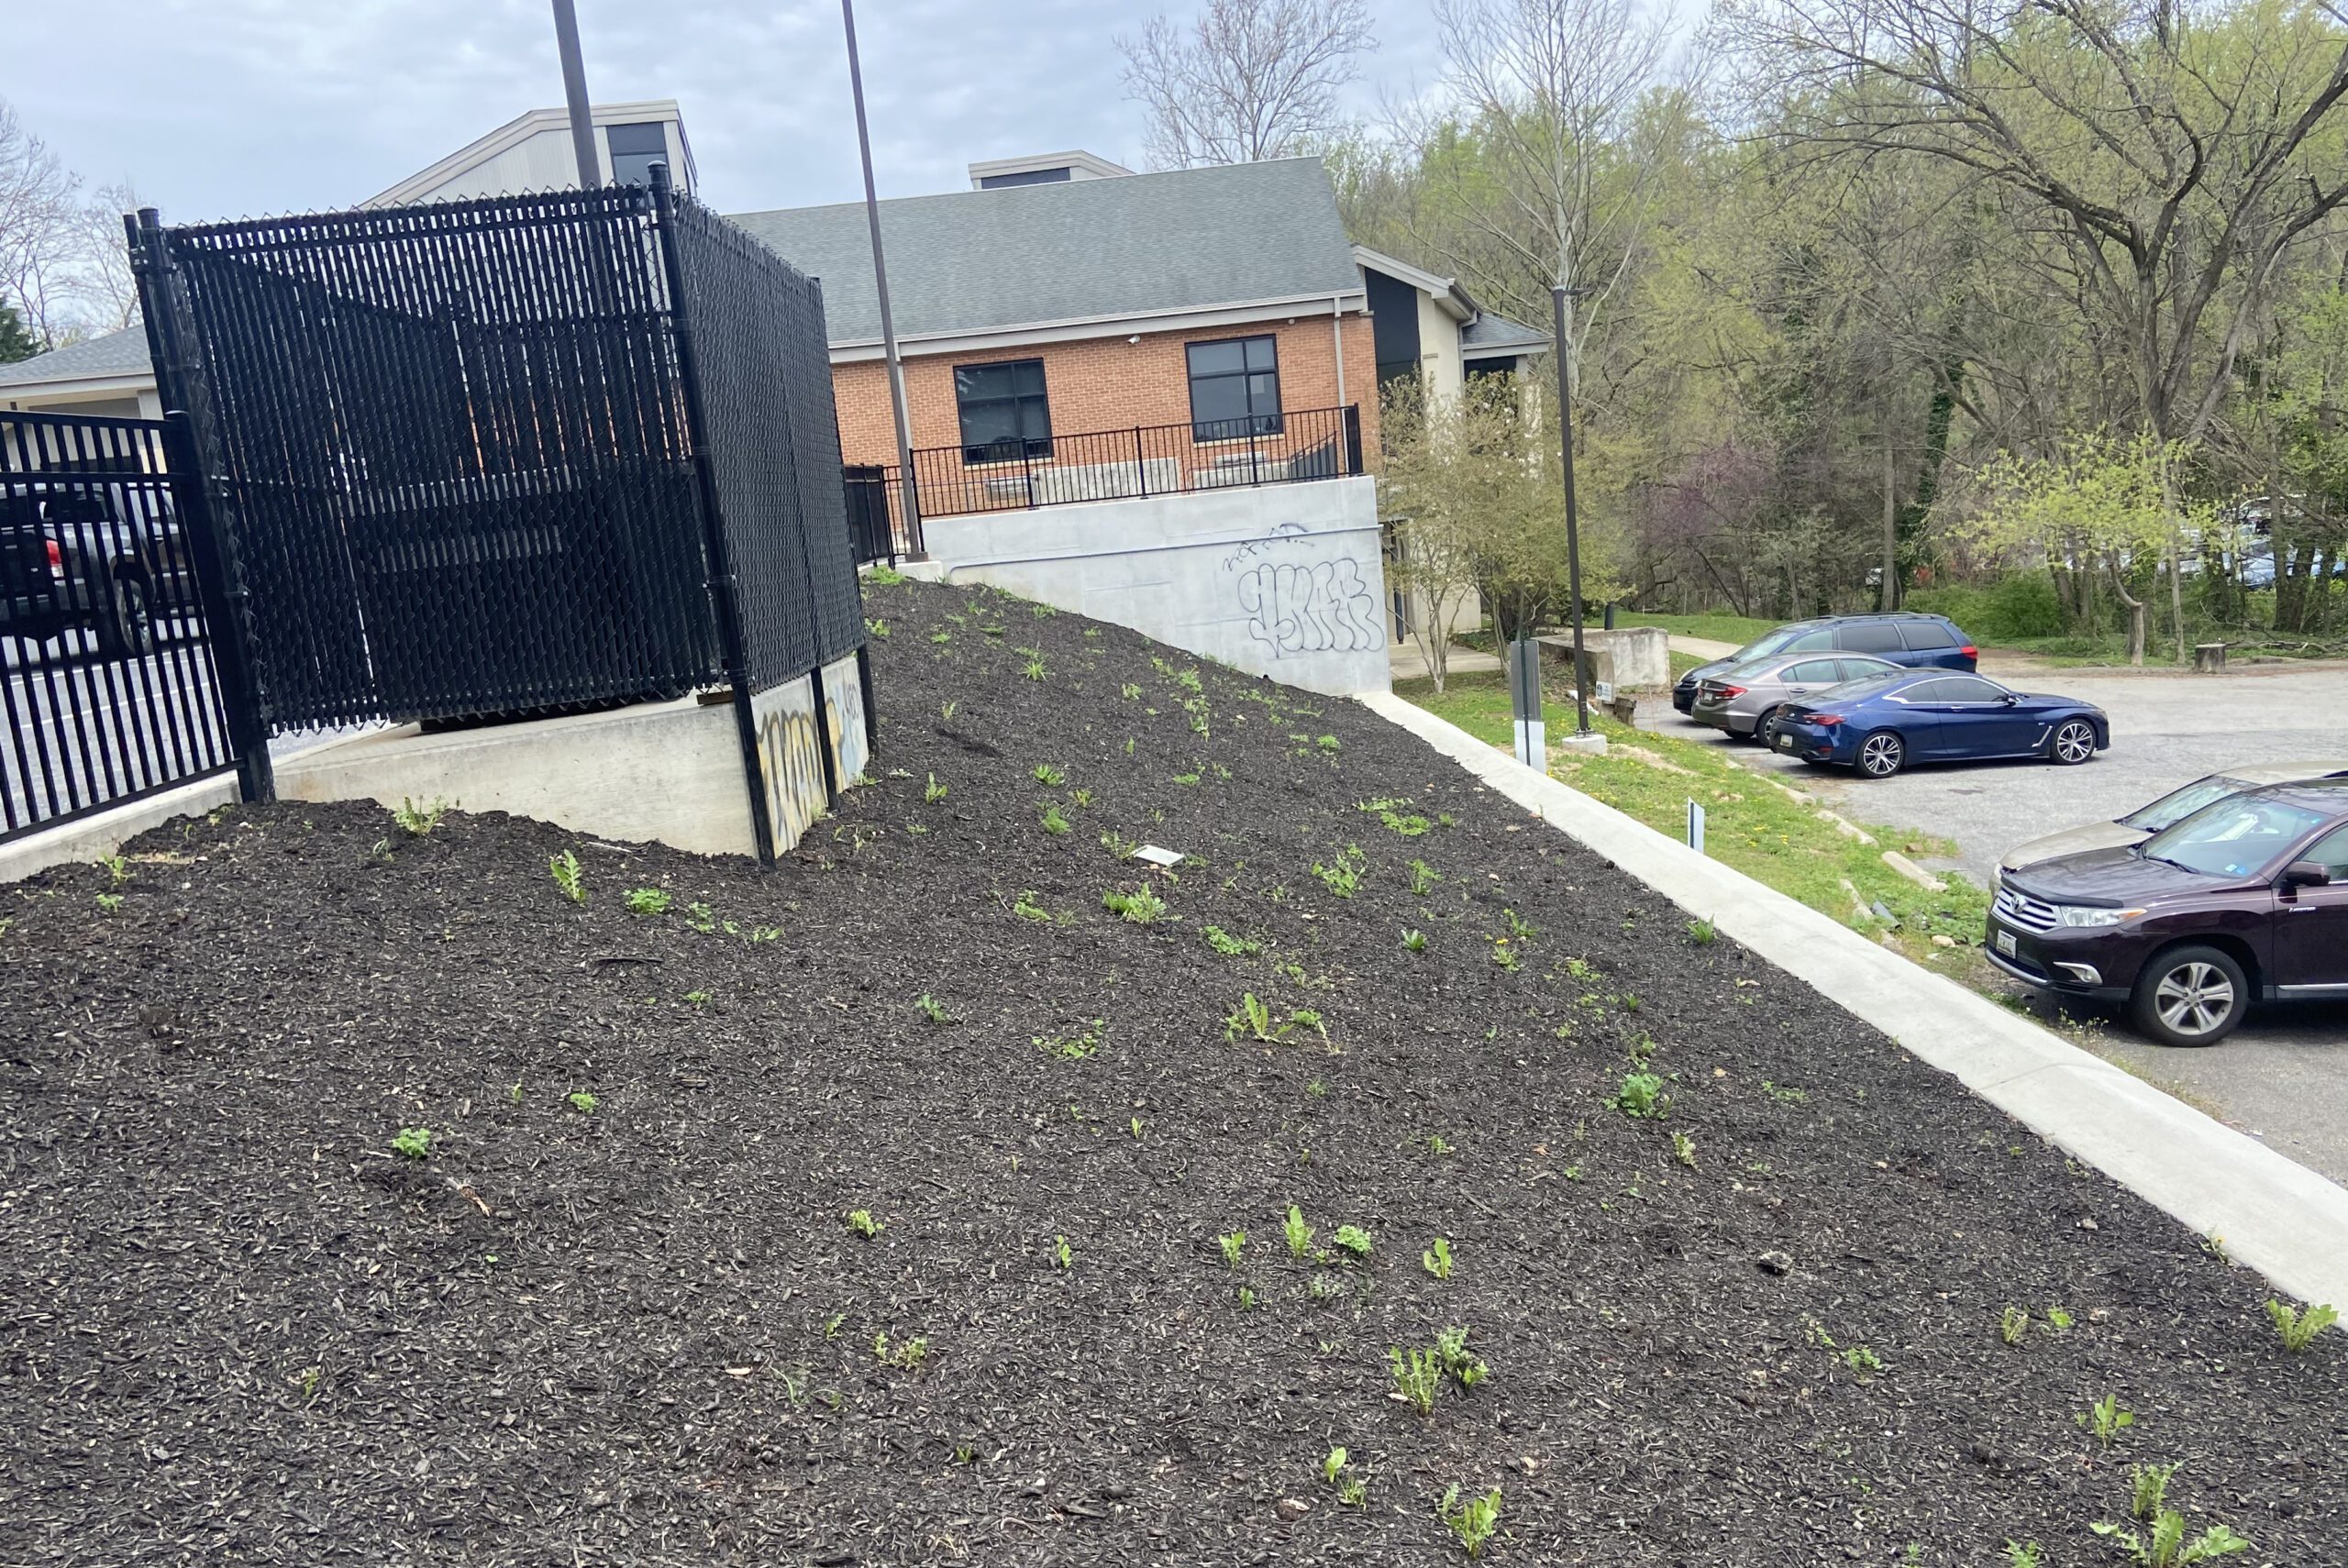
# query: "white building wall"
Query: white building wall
1440,366
540,161
1286,581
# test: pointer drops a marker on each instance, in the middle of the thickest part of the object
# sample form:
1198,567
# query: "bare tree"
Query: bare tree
1248,80
1557,94
40,223
109,293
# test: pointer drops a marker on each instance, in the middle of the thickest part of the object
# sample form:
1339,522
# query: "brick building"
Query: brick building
1069,318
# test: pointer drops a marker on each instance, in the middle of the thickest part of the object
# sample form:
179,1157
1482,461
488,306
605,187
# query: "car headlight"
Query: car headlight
2082,914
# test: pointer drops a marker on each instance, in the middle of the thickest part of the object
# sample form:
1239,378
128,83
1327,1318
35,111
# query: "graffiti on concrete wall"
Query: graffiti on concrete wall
1311,608
791,745
844,694
791,758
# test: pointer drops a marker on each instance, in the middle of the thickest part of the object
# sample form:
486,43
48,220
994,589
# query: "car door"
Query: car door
2311,925
1909,710
1981,718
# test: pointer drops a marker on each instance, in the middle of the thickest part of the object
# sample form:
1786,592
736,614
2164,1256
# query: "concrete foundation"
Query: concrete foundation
1627,659
1287,581
665,772
660,772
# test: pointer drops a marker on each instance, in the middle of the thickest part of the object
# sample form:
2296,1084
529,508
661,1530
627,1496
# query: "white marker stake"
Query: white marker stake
1695,827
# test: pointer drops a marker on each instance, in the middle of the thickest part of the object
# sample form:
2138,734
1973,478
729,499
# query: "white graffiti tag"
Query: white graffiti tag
1321,608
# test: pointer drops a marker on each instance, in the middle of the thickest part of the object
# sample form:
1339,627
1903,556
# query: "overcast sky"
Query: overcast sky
233,108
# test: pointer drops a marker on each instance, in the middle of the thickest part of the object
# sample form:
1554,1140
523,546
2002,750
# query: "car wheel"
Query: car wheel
127,631
1765,729
2073,744
1882,754
2189,996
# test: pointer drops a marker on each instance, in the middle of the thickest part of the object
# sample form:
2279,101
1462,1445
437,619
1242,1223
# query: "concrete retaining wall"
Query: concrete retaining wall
1286,581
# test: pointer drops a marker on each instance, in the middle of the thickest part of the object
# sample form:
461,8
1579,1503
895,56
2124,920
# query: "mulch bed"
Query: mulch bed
236,1325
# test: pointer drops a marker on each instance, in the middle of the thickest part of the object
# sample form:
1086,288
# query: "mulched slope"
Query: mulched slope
234,1325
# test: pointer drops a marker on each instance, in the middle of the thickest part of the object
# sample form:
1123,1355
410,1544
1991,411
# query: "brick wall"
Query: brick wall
1106,383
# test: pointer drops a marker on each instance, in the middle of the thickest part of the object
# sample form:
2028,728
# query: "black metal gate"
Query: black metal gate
107,673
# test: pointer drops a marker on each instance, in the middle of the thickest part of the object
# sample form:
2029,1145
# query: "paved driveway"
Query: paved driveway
2285,1075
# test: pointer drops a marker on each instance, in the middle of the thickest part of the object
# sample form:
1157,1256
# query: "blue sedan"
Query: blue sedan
1881,724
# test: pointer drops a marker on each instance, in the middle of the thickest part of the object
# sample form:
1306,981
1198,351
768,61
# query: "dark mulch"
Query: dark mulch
235,1326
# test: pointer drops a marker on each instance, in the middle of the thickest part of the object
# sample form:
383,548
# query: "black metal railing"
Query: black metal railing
106,672
1110,465
505,457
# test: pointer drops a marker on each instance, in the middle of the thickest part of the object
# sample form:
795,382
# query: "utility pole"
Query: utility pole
574,94
1582,738
907,488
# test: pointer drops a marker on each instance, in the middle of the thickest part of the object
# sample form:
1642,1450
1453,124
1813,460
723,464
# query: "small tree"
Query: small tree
1250,79
1481,508
2101,500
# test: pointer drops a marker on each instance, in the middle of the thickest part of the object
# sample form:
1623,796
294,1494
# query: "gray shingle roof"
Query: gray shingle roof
971,260
1490,334
120,353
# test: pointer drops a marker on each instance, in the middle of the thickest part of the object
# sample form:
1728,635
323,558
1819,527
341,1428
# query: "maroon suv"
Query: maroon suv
2245,900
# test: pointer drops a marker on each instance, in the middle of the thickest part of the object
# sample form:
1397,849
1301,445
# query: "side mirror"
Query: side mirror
2306,874
2010,698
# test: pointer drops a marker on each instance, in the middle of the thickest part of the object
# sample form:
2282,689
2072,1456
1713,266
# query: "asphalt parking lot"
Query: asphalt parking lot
2284,1076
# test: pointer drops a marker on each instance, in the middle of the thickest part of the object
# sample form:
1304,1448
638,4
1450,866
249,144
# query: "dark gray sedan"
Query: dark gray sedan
1744,698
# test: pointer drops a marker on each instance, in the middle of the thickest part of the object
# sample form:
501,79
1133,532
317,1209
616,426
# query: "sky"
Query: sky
217,109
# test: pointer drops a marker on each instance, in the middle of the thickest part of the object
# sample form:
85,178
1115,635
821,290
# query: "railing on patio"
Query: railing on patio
1139,461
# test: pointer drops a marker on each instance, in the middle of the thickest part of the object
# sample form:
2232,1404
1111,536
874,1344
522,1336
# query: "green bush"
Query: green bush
2019,604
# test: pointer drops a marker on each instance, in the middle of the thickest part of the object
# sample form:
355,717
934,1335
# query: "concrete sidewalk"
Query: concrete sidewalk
1702,647
2274,1215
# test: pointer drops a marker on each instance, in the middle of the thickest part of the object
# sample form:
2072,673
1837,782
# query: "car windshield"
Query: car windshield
1766,643
2232,837
2179,804
1745,671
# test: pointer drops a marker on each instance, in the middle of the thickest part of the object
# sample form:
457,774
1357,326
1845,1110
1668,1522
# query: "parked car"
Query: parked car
2243,900
1744,699
1913,642
2147,819
104,557
1881,724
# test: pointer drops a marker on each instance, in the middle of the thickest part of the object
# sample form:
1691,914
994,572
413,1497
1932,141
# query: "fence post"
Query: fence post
1141,462
219,576
1353,438
722,581
220,586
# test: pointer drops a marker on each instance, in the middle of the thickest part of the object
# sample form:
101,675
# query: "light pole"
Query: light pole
906,486
574,94
1573,532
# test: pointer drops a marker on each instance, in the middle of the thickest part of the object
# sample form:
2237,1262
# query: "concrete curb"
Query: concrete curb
2276,1216
90,838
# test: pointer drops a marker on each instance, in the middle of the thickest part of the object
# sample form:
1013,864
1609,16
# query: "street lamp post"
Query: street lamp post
907,488
1573,532
575,95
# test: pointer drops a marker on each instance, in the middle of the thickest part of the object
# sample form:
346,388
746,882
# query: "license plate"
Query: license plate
2006,943
1785,742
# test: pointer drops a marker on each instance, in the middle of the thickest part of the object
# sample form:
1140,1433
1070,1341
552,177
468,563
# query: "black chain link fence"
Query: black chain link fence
455,450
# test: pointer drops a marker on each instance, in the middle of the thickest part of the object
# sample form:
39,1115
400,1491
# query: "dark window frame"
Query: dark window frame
1020,448
1875,629
627,163
1252,423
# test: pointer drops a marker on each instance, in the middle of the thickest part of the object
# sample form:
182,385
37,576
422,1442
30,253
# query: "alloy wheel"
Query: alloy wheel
2075,742
1879,756
2194,999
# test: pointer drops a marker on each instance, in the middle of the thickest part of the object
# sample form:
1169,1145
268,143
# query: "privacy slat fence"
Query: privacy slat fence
508,457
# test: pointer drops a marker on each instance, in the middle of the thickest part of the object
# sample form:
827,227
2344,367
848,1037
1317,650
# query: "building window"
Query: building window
1005,416
1235,389
635,148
